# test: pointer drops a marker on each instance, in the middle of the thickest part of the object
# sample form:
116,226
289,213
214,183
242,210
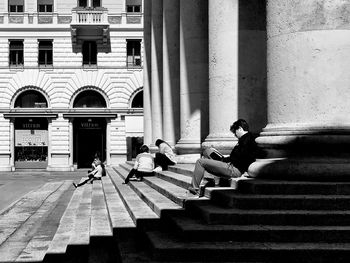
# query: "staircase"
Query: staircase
158,220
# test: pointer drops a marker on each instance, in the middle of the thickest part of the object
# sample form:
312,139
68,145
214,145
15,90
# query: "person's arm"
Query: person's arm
93,172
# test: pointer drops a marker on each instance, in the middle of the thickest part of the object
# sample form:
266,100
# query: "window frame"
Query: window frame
90,61
48,53
16,8
19,53
45,8
134,57
133,9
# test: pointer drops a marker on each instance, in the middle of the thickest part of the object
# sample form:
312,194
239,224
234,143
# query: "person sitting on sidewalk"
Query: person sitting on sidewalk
143,166
95,174
242,155
164,157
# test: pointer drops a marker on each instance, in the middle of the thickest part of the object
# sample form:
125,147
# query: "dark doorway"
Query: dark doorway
89,138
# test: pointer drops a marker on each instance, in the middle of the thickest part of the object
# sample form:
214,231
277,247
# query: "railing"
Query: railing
76,17
81,17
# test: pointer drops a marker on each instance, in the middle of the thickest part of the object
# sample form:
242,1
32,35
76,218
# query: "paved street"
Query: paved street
14,185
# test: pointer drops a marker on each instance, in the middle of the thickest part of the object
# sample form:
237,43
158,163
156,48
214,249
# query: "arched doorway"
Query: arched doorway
89,133
31,133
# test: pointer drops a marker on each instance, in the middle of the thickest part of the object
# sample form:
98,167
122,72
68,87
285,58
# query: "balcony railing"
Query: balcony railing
76,17
89,17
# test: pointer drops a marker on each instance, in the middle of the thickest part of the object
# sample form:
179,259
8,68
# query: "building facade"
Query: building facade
71,82
281,65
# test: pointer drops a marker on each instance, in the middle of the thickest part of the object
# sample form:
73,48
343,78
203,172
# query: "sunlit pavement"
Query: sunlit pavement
13,185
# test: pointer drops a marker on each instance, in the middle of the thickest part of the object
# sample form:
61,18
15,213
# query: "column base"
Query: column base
311,169
188,158
222,142
188,147
303,152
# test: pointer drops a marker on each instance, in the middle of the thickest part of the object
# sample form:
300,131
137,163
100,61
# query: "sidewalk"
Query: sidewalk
13,185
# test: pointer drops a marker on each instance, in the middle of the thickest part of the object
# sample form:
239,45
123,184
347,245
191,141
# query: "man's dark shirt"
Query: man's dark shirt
243,154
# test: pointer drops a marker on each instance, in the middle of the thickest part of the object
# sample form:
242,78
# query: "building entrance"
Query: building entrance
89,138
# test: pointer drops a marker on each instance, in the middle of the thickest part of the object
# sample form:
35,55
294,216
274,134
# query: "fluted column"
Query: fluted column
147,111
171,71
157,67
223,73
308,131
193,75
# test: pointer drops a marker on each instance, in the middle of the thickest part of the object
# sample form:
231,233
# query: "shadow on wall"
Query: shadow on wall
103,42
252,68
317,155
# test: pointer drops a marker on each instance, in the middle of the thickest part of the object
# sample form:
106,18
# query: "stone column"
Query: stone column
71,141
49,138
12,145
223,73
157,74
308,60
147,111
171,71
193,75
108,139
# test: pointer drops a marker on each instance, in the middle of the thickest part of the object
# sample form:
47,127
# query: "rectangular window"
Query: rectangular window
89,53
16,53
45,9
96,3
45,53
45,6
16,6
82,3
133,50
133,6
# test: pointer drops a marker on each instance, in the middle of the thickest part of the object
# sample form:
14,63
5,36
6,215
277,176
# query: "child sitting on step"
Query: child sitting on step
144,165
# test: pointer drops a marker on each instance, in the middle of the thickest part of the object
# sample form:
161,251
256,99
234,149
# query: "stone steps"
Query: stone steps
232,199
21,222
213,214
170,247
167,190
181,180
36,248
195,229
157,220
275,187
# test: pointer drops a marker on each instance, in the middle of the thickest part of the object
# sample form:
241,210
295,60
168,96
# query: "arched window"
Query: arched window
89,99
31,99
137,101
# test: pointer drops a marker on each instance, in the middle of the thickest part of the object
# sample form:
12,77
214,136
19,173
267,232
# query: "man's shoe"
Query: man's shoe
210,183
75,185
193,190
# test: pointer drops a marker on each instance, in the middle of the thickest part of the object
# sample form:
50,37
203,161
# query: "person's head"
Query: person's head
158,142
144,149
239,128
97,162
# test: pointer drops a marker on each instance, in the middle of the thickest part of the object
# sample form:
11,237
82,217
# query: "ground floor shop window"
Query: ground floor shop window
31,143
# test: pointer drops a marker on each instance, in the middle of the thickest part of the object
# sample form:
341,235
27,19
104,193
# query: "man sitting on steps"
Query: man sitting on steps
242,155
